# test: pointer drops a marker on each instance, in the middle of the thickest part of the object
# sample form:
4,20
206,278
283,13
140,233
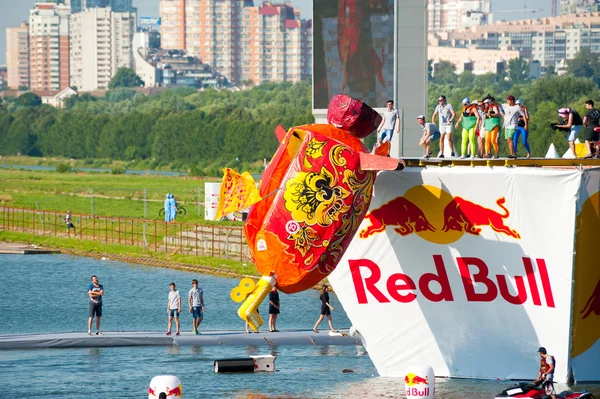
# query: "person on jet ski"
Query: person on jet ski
546,375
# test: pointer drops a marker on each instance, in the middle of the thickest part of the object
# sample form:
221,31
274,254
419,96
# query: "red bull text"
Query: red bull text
402,288
416,386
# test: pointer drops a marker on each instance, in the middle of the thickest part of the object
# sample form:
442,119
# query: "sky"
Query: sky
12,12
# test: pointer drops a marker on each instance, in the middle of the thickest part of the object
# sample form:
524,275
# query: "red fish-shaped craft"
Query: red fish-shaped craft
315,195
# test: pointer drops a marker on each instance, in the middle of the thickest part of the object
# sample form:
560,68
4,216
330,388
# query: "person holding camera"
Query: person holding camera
572,123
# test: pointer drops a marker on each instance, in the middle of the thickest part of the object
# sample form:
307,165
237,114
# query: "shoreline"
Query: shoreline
152,262
148,261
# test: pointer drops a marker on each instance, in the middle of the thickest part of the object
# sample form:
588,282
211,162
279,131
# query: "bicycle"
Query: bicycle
180,212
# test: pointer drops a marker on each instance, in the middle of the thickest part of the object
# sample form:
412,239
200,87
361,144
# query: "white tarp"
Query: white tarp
468,270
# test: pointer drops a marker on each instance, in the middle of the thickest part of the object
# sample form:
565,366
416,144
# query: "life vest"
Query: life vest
469,117
544,366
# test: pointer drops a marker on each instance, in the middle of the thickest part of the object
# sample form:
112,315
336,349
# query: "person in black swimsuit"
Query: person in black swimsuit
326,310
273,309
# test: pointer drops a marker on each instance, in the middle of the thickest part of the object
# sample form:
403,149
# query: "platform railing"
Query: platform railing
226,242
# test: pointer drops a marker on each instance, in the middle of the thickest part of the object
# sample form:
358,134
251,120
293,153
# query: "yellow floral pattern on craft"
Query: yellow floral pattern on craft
315,198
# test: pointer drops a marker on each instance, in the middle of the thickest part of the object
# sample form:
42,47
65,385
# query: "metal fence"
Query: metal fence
226,242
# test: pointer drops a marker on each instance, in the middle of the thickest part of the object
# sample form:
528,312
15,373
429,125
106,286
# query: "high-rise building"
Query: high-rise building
456,14
265,43
116,5
101,43
578,6
49,46
275,44
17,56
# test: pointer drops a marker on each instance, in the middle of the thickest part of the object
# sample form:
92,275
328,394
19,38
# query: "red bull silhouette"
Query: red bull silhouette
420,380
174,392
463,215
593,304
400,212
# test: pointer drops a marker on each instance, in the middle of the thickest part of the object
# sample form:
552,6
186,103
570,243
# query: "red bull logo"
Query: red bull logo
593,303
436,216
474,272
406,217
416,386
171,392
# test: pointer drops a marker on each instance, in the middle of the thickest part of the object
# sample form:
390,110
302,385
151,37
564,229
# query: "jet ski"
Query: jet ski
531,390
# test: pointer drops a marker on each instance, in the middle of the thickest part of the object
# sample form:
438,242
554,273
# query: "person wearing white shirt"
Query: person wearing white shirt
173,308
447,115
390,123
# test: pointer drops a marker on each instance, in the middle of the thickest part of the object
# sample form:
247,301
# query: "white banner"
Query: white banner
468,270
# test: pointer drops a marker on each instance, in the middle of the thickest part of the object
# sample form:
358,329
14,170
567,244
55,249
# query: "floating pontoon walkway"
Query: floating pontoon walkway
206,338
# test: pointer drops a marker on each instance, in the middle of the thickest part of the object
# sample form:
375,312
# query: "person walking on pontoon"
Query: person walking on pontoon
326,310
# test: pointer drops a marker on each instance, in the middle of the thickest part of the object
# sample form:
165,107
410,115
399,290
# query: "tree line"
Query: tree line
182,128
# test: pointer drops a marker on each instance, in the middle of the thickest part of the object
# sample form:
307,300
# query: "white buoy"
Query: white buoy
552,152
169,384
419,382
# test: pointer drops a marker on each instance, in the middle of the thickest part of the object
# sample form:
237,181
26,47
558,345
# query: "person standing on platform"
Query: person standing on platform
326,310
196,305
480,131
173,308
470,119
390,123
273,309
523,129
591,120
447,115
512,112
573,125
95,292
430,134
491,125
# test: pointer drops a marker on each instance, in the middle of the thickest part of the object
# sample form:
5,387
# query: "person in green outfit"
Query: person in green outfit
469,118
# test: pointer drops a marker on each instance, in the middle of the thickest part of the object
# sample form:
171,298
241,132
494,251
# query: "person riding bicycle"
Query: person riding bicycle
546,374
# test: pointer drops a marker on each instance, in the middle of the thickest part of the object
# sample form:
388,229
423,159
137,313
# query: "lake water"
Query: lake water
48,293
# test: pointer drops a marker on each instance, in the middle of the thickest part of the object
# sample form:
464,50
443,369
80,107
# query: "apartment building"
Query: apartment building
241,41
456,14
579,6
49,46
101,43
17,56
116,5
550,41
478,61
276,45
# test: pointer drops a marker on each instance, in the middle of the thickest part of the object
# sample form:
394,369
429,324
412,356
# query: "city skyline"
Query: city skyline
13,13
